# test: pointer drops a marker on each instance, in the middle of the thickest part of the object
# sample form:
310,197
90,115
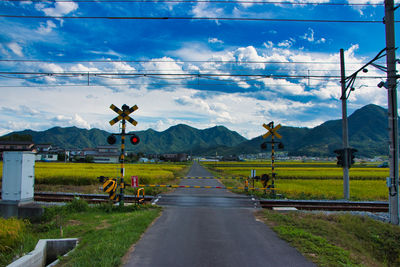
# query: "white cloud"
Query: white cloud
309,36
46,28
268,44
109,53
249,53
204,10
15,48
214,41
285,44
74,120
59,9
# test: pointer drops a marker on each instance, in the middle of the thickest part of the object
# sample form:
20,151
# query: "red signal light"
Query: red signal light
135,139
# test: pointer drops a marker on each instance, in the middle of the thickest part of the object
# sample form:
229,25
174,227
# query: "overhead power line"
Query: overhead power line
175,61
202,1
199,75
192,18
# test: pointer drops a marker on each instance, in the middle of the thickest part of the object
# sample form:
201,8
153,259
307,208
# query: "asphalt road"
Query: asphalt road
210,227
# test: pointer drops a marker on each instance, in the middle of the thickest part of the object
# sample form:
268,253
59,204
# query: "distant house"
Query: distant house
103,154
143,160
176,157
45,152
43,147
16,146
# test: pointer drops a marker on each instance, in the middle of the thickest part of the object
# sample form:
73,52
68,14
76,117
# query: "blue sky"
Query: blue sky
201,72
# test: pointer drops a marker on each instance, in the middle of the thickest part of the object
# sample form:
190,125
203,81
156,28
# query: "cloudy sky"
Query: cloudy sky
233,63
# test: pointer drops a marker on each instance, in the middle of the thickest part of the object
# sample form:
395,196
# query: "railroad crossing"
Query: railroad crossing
111,185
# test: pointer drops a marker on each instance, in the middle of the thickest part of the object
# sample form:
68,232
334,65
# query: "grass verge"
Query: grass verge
337,240
106,232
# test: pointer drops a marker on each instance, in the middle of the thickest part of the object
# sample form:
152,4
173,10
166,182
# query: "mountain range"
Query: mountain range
367,133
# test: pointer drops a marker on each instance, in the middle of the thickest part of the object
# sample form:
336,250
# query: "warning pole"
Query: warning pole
272,160
123,116
122,159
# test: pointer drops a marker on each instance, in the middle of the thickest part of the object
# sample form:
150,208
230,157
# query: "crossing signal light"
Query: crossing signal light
351,152
111,139
135,139
264,146
340,157
280,145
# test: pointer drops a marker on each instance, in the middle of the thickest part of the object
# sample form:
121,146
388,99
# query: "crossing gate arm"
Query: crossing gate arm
214,177
214,187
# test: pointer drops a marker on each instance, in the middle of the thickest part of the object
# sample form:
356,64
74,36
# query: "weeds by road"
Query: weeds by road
337,240
105,232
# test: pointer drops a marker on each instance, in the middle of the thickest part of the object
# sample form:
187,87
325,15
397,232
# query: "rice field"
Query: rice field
85,174
314,180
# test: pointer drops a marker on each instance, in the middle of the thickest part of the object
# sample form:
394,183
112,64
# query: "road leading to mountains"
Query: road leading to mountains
210,227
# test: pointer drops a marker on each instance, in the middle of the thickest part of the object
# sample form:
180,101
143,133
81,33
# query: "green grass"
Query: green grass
338,240
106,232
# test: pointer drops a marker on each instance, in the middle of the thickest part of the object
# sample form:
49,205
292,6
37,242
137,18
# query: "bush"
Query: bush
77,205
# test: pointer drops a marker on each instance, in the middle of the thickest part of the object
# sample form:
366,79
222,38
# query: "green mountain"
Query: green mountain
367,133
179,138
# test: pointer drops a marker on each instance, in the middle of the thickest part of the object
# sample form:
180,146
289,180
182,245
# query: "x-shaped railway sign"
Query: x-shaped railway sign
272,131
123,114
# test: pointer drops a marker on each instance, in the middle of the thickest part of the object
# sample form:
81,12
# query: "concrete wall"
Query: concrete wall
45,252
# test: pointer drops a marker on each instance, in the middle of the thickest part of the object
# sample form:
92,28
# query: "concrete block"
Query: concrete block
20,209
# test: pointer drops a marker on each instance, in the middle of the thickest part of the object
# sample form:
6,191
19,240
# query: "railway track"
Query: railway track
328,205
90,198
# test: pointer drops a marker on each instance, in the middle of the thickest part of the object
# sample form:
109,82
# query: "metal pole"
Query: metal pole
345,131
121,197
392,113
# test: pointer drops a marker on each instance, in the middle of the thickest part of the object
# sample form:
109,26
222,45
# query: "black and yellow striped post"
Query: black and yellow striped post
272,131
272,162
122,158
123,116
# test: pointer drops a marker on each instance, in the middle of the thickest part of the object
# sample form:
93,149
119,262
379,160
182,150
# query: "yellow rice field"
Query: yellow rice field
321,180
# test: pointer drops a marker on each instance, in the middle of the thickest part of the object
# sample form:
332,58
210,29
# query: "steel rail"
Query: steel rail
340,205
326,205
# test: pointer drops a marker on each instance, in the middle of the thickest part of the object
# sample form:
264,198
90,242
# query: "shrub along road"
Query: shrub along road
210,227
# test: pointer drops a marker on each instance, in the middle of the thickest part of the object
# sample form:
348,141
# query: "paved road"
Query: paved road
210,227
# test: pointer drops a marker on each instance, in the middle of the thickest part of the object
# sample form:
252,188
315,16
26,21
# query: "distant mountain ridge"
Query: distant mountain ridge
178,138
367,133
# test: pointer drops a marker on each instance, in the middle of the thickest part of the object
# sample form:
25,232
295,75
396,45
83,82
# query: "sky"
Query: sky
238,64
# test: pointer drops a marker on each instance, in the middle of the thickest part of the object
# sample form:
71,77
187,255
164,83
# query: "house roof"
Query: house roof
16,143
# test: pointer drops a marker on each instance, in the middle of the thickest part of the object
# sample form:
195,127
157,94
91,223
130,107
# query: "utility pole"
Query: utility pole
345,132
392,110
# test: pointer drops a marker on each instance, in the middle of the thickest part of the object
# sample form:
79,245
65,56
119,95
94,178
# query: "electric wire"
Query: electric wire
201,1
191,18
175,61
181,74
